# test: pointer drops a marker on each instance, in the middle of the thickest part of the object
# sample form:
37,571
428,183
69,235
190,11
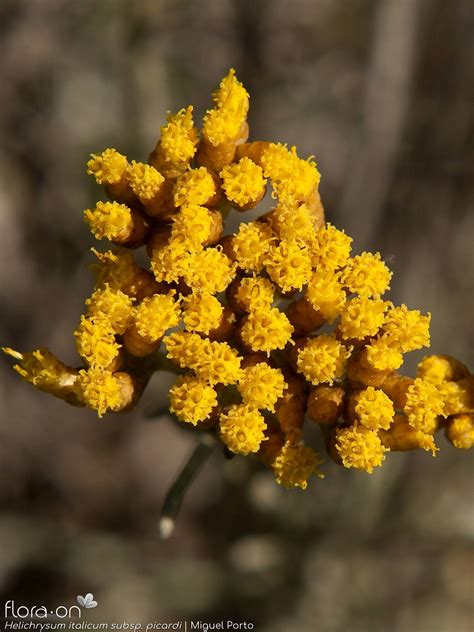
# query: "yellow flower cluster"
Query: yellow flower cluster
236,316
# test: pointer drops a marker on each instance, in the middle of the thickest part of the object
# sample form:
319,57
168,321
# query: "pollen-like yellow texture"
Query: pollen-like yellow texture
331,249
145,181
243,182
202,312
95,342
294,464
156,314
222,364
460,431
326,294
374,409
360,448
292,178
435,369
39,367
195,186
408,327
111,305
100,390
383,354
367,275
188,350
261,386
242,429
362,317
107,167
255,293
117,269
223,123
322,359
424,403
426,442
110,220
210,271
192,400
191,227
457,398
266,330
293,224
288,265
251,245
178,137
171,262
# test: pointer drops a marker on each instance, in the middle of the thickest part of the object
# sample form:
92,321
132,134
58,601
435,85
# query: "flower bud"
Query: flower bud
325,404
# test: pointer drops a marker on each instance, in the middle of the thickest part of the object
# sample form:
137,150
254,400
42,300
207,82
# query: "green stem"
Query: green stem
177,491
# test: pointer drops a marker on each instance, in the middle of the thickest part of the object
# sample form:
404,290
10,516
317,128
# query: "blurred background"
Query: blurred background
381,92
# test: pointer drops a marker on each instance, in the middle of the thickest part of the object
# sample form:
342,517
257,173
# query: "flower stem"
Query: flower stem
177,491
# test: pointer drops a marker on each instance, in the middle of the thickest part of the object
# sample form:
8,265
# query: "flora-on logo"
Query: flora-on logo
87,601
12,611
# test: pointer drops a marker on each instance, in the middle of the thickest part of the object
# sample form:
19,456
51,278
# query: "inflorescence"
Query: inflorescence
237,314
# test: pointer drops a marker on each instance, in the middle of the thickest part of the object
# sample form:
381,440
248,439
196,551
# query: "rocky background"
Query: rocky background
381,91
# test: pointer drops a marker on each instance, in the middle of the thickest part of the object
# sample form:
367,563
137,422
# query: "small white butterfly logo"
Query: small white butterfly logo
87,601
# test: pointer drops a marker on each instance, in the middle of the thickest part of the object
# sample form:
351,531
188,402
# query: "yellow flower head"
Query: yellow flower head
289,266
210,271
107,167
184,299
266,330
111,305
294,223
292,178
435,369
402,436
192,226
100,390
109,219
178,137
243,182
188,350
460,431
39,367
456,397
331,249
295,463
195,187
326,294
367,275
171,262
192,400
424,403
145,181
222,365
95,342
360,448
251,245
223,123
255,293
117,269
383,354
374,409
156,314
202,312
261,386
362,317
322,359
408,327
242,429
